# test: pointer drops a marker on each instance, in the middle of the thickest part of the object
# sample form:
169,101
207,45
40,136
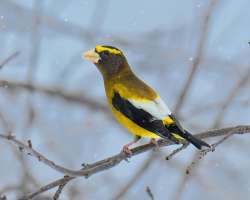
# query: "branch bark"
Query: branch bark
90,169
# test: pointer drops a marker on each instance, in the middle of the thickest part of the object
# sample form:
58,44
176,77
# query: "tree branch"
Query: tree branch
90,169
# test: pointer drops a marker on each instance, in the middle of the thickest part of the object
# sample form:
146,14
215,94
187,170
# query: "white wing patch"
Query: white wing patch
156,108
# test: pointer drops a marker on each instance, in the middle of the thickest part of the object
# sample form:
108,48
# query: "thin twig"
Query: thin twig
35,50
203,152
59,191
47,187
184,146
7,60
198,58
232,95
135,177
150,193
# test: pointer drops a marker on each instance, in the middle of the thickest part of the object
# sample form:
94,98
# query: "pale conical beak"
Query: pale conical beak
91,55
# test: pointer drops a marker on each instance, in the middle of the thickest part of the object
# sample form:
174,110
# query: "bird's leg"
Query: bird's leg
126,149
155,142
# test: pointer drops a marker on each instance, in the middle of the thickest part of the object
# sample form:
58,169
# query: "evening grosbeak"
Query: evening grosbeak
136,105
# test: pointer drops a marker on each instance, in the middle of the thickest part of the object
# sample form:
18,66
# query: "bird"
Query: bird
135,105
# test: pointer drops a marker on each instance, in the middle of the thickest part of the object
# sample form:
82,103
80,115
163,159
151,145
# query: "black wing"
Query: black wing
140,116
176,126
178,129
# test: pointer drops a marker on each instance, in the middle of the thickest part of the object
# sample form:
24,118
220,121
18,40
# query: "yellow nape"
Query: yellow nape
100,48
132,127
168,121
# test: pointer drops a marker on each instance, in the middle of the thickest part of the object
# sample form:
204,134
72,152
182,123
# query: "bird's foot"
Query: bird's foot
155,142
126,148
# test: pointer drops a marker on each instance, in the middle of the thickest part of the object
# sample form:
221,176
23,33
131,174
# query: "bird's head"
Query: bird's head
108,59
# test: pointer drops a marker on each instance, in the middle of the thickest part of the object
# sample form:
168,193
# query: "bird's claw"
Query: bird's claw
126,150
155,142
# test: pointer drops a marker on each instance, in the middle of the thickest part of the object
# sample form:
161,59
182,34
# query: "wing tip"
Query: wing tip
198,143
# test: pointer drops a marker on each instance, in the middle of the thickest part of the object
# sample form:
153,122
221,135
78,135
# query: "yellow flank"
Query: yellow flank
168,121
102,48
178,137
132,127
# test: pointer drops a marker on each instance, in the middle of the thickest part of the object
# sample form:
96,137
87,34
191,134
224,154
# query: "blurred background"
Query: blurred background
196,54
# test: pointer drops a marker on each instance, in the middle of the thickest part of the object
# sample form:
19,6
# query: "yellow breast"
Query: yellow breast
132,127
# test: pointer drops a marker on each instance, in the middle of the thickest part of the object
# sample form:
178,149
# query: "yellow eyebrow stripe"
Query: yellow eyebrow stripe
101,48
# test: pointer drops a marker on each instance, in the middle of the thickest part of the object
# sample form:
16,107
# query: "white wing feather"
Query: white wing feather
156,108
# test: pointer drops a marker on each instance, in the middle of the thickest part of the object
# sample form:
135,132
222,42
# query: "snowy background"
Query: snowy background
163,41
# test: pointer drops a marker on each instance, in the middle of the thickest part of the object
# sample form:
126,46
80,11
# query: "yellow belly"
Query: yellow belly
132,127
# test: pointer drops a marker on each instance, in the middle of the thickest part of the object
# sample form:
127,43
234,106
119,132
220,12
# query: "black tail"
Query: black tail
193,140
